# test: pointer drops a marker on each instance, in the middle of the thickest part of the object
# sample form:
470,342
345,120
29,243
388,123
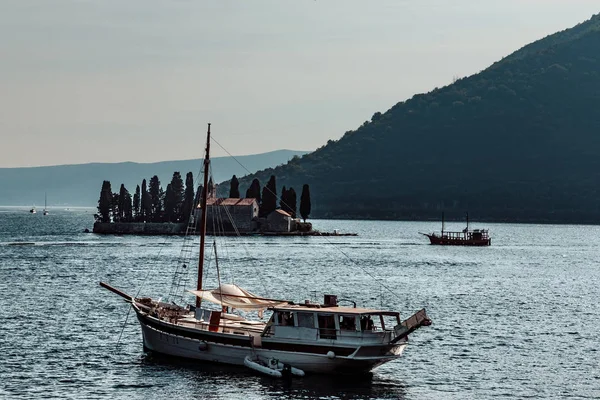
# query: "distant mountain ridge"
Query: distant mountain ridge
80,184
519,141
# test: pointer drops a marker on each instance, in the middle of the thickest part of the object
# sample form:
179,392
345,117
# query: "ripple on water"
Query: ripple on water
516,320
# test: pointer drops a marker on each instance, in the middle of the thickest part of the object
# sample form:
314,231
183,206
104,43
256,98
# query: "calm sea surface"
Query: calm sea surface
519,319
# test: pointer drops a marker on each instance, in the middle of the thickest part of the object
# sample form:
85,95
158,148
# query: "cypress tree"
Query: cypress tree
147,205
155,192
188,198
115,207
269,198
291,201
305,202
170,204
283,201
253,191
104,203
121,203
136,202
234,189
144,202
127,209
178,192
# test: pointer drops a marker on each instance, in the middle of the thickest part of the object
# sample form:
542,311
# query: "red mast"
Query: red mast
203,218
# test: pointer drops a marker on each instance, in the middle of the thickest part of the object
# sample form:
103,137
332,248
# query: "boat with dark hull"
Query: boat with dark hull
466,237
306,336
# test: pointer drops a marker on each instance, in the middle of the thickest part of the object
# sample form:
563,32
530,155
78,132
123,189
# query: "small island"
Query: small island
176,210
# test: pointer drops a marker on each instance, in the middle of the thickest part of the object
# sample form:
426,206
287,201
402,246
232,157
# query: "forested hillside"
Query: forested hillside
519,141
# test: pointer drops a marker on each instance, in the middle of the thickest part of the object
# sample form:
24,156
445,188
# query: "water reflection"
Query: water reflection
209,380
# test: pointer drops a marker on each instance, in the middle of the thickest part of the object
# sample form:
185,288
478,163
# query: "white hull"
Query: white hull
205,350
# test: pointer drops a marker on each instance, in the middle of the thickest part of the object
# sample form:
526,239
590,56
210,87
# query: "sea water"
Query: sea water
518,319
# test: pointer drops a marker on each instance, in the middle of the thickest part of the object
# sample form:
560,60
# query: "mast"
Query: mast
203,218
467,222
442,223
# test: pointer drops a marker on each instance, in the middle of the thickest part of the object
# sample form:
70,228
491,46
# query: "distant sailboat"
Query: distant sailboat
32,210
46,204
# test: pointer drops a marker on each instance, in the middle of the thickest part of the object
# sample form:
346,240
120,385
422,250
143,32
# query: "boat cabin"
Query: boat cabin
331,323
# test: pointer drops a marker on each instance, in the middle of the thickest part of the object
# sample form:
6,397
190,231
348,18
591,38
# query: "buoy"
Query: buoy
330,355
202,346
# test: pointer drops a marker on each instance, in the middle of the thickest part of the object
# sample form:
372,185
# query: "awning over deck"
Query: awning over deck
235,297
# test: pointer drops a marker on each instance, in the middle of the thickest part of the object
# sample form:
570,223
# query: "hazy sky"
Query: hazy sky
137,80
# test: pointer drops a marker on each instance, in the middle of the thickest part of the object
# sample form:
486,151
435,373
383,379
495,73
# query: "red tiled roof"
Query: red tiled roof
280,211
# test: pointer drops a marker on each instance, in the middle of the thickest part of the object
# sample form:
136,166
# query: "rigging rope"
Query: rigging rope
326,238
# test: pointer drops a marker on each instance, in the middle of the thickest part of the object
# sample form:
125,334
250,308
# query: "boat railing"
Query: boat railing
310,333
474,234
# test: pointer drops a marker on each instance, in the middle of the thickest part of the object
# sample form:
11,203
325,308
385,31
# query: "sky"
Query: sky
137,80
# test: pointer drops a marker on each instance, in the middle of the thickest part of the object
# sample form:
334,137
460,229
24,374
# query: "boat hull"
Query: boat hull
170,340
437,240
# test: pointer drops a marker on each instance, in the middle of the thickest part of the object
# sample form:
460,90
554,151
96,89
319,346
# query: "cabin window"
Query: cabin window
285,318
306,320
366,323
347,322
326,326
390,321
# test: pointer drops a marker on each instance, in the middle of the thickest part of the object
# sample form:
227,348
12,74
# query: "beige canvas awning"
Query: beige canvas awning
235,297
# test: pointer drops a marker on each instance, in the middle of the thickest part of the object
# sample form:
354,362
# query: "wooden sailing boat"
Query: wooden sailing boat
316,338
466,237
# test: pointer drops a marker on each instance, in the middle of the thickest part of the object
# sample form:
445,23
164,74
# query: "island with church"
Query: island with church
176,210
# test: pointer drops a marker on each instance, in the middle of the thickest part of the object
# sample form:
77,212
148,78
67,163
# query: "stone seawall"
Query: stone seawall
140,228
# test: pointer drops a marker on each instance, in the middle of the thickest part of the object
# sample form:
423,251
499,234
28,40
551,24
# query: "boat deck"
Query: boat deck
226,325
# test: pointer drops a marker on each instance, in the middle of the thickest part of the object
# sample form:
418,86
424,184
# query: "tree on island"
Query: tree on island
144,203
136,202
177,196
253,191
170,206
122,206
188,197
234,189
292,201
128,210
104,204
156,195
115,207
269,198
288,201
305,202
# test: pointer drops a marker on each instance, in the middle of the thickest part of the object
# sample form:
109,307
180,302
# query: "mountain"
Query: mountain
519,141
79,185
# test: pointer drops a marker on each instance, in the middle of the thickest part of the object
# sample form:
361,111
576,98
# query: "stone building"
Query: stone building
279,221
223,214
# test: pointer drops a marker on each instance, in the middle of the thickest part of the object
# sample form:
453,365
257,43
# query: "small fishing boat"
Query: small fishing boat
466,237
296,337
32,210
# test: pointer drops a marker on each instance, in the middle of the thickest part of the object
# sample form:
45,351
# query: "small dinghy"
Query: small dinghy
272,367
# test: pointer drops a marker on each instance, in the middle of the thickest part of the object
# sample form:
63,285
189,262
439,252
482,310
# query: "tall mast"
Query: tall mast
203,218
467,222
442,223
